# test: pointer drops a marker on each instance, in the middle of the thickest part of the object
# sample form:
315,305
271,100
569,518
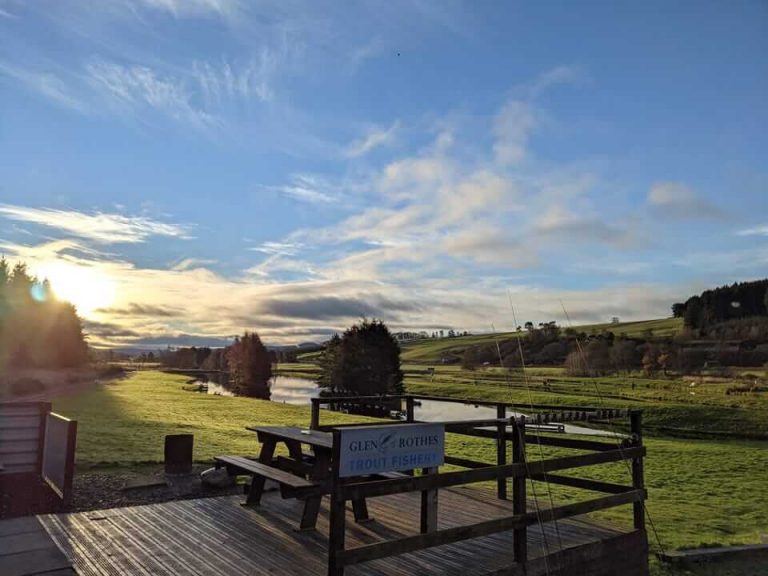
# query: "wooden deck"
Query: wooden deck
219,536
26,549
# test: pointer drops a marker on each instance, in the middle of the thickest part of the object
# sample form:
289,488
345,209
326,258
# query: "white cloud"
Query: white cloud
100,227
678,200
373,139
512,127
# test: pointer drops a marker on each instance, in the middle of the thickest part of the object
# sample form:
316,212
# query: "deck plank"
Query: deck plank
219,536
26,549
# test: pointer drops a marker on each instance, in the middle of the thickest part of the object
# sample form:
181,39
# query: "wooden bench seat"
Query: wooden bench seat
254,468
247,466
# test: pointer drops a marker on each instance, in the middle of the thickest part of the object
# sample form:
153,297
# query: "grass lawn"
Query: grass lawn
124,422
701,492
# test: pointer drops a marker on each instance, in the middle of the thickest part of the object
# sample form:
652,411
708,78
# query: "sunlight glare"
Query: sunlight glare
86,288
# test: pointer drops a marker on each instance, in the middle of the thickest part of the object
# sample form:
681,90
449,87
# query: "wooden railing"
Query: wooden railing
503,431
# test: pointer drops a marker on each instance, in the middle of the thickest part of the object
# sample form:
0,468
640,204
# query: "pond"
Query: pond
292,390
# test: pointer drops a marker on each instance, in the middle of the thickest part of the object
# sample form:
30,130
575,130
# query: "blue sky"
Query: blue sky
185,170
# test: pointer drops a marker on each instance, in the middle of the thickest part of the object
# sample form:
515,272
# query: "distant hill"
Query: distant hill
432,350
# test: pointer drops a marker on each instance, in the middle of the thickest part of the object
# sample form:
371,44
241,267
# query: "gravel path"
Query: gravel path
115,487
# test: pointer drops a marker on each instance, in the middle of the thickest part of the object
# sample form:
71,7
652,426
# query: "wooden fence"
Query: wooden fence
504,431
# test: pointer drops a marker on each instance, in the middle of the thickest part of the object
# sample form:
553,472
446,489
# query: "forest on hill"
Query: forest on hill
725,303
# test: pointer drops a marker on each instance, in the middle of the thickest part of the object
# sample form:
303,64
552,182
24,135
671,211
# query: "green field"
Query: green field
701,492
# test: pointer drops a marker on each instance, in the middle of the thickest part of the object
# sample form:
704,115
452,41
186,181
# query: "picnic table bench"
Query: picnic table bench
304,476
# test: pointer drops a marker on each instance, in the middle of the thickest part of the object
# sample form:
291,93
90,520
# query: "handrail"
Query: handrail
372,489
549,413
519,471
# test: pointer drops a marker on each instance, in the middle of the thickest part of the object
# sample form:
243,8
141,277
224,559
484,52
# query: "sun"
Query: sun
86,288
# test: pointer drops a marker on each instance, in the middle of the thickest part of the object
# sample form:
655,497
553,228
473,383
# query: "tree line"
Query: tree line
36,329
246,363
363,361
603,353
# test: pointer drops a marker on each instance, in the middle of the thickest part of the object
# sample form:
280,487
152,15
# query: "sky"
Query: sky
185,170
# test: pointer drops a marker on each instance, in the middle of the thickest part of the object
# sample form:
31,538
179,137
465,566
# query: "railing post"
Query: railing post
409,414
638,482
519,500
314,422
501,449
45,409
338,510
428,522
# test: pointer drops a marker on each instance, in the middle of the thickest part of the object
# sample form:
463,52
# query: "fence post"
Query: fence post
409,409
338,510
519,500
428,521
314,422
638,482
501,449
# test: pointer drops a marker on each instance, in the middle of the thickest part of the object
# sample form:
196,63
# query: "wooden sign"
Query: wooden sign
374,449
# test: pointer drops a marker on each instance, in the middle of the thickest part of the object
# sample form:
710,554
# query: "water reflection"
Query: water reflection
285,389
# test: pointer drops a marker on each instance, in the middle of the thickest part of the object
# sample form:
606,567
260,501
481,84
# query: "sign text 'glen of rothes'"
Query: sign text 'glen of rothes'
374,449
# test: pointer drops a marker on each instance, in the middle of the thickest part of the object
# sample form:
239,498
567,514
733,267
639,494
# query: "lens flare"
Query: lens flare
86,288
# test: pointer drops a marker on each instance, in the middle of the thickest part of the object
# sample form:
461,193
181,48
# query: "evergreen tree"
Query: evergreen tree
364,361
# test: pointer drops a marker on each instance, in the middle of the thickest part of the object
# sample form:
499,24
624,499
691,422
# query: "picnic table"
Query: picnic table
301,475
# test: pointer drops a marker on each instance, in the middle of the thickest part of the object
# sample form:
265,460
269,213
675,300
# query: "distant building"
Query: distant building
615,320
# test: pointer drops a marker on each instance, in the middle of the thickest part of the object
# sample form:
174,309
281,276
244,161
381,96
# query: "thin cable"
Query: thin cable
617,436
537,508
538,438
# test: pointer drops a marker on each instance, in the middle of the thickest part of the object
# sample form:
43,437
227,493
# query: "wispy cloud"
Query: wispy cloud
309,188
219,82
282,248
47,84
375,138
518,118
756,231
100,227
139,87
191,264
186,8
